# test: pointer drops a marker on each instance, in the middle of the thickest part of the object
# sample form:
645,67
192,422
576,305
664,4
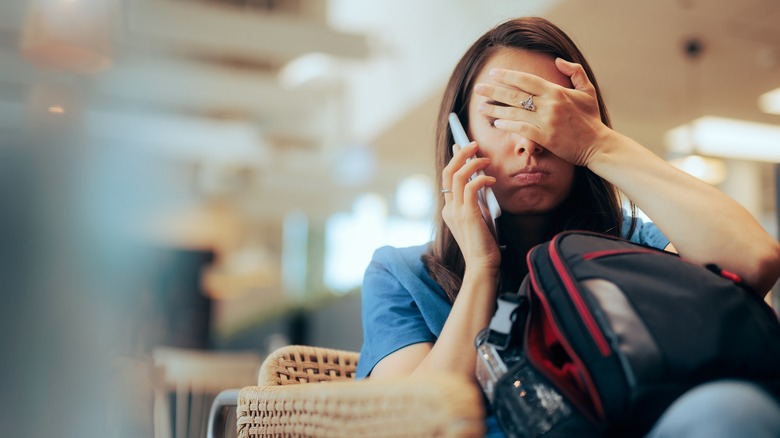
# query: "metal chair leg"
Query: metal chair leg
218,414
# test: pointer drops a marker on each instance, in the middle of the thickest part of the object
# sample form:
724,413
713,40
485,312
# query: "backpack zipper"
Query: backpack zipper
569,350
579,303
610,252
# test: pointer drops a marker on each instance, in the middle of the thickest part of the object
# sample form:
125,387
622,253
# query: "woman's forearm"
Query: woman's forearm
704,224
471,312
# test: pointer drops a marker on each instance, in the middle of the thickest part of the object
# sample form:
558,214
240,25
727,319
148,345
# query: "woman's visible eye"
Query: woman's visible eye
492,121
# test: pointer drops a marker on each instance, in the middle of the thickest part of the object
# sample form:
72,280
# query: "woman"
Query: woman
542,136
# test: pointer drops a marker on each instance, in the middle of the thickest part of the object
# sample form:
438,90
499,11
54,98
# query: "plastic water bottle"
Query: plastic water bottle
526,404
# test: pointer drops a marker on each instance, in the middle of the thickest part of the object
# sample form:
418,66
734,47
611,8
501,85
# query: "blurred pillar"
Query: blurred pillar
776,289
295,242
298,326
315,283
743,184
71,268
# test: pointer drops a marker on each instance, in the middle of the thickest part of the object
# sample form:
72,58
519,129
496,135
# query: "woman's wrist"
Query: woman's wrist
479,278
603,143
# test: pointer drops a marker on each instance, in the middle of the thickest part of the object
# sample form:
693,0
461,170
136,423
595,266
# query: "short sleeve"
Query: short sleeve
645,233
392,318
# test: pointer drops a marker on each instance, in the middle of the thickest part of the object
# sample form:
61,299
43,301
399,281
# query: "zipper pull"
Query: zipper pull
724,273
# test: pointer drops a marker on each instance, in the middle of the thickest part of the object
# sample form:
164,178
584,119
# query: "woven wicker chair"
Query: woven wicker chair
310,391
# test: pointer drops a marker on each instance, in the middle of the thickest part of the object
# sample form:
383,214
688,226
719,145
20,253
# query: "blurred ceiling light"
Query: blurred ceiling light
727,138
707,169
54,106
769,102
307,70
70,35
414,196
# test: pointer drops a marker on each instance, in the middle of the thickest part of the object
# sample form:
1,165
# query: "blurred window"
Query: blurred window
351,239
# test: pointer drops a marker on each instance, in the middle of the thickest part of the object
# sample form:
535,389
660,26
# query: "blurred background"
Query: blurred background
187,184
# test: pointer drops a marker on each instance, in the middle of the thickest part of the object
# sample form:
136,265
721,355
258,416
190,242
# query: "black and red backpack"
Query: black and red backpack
612,332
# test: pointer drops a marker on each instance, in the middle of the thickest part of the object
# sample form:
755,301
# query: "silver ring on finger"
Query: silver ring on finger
528,104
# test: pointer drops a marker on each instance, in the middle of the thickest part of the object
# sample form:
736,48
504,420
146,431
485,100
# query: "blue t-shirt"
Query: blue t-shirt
403,305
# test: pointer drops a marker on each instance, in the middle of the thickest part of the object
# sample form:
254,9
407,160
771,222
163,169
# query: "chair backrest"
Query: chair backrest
295,364
189,380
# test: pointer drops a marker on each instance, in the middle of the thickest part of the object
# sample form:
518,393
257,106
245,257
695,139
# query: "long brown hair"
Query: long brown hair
594,204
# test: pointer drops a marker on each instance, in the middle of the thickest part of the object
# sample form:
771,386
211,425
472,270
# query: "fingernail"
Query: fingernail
479,88
483,107
499,123
493,72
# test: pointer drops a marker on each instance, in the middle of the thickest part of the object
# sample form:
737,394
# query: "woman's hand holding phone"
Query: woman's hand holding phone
463,176
487,201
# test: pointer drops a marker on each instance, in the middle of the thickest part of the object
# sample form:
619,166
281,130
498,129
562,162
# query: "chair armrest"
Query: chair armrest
294,364
426,405
219,413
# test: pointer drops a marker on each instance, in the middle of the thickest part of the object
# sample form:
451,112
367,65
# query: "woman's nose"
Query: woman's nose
524,145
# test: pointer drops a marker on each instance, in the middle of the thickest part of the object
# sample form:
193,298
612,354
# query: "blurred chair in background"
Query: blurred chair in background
188,381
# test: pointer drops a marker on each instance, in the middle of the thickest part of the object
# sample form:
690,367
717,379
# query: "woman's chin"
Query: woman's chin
530,207
528,212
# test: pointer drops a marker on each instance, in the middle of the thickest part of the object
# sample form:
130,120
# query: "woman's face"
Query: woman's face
529,179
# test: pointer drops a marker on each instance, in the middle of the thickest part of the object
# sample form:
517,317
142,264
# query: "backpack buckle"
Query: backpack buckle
500,329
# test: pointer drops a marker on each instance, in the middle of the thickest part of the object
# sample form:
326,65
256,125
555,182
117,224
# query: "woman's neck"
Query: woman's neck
523,232
520,234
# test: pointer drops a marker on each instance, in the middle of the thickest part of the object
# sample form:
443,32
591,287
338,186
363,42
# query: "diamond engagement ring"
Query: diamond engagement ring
446,191
528,104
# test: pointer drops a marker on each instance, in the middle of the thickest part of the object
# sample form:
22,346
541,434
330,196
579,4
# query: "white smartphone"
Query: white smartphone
487,200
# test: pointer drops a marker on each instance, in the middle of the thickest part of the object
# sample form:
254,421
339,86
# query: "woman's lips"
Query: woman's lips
530,176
